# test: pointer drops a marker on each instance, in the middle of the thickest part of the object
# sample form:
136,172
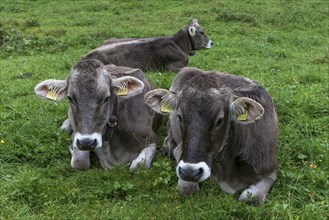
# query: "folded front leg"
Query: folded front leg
66,126
145,158
256,193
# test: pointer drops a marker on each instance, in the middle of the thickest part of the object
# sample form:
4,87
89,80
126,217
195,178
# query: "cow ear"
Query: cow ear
161,100
51,89
194,21
127,86
192,31
246,110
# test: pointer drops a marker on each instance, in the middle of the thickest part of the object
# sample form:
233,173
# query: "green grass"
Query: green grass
282,44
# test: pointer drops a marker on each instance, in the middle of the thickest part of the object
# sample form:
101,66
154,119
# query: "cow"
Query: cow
220,126
169,53
107,114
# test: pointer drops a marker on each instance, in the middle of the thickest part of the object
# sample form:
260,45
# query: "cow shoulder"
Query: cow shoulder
170,50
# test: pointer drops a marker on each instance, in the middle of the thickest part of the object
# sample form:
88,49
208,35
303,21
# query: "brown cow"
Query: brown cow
107,114
223,126
168,53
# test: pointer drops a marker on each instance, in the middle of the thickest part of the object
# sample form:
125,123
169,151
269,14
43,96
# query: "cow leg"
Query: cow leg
170,142
186,188
256,193
80,159
178,152
104,156
175,67
168,146
144,159
226,187
66,126
179,61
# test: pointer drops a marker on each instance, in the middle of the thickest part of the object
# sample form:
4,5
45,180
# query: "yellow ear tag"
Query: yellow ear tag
165,107
123,91
52,94
242,117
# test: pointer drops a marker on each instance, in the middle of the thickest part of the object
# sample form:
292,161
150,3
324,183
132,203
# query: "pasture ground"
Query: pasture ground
282,44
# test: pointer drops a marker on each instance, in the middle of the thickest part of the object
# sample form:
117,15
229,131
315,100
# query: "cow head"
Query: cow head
199,39
202,110
92,92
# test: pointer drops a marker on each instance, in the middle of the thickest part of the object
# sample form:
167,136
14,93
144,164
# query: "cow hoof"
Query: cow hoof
252,197
164,152
144,158
142,163
133,166
187,188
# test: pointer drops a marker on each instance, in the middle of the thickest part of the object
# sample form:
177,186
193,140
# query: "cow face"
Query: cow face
198,37
204,117
92,93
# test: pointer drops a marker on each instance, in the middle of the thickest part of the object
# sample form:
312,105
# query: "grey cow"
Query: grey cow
169,53
107,114
223,126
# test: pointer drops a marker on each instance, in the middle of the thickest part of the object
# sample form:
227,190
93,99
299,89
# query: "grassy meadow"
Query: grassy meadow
284,45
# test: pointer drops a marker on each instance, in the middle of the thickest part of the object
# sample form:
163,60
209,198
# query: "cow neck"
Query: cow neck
112,122
184,42
192,44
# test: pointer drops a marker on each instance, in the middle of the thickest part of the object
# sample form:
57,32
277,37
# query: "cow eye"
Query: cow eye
202,32
219,122
106,100
71,100
180,118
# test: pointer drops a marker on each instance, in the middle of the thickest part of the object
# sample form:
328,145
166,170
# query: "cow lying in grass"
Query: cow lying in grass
107,114
168,53
223,126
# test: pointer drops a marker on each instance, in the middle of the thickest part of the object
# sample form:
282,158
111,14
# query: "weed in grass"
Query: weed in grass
32,23
228,16
322,59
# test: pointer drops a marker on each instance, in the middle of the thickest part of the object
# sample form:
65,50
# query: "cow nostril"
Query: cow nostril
191,175
180,172
212,43
199,174
94,144
86,144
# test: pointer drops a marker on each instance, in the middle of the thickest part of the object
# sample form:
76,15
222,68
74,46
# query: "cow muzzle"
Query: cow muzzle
193,172
209,44
87,142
